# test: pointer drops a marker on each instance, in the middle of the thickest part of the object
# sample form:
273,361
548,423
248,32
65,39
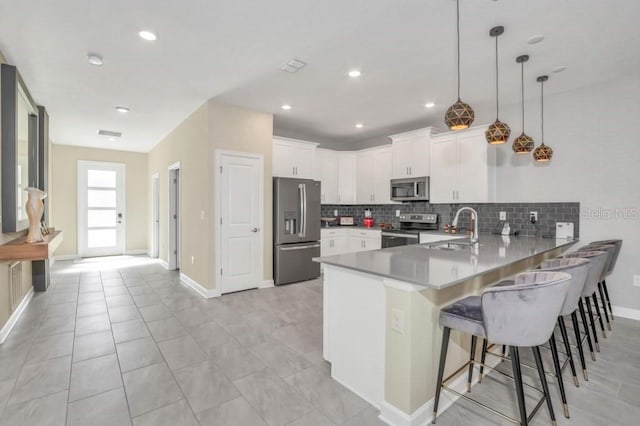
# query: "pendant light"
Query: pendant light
459,115
498,132
523,144
543,153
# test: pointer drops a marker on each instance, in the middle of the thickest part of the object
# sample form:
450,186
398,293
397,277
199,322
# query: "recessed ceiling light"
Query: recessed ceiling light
354,73
559,68
95,59
534,39
122,109
429,105
286,107
359,125
148,35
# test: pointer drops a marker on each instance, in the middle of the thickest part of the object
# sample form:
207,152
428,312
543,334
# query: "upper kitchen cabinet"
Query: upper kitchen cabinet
293,158
463,168
410,153
346,177
327,164
373,175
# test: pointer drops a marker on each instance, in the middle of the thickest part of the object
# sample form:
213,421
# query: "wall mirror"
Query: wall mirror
19,133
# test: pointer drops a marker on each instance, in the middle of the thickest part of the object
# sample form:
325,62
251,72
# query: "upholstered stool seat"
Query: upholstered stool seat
464,315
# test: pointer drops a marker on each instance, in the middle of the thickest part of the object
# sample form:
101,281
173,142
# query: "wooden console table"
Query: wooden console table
19,250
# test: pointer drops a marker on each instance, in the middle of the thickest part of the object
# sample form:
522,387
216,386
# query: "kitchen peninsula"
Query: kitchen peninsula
381,309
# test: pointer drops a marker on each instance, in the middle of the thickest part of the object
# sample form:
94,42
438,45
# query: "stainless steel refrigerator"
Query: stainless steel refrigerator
296,229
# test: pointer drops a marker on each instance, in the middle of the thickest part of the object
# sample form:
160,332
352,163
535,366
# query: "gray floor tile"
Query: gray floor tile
90,287
105,409
210,335
280,358
140,289
237,412
181,351
94,376
275,401
150,388
191,317
6,386
48,347
116,291
116,301
61,309
205,386
155,312
149,299
91,309
166,329
235,360
49,410
93,324
58,324
176,414
367,417
630,393
84,298
129,330
313,418
93,345
298,339
42,378
138,353
124,313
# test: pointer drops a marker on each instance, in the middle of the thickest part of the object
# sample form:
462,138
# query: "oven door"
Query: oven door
393,239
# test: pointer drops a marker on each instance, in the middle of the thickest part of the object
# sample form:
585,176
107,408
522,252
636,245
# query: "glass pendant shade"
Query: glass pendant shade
523,144
498,132
543,153
460,115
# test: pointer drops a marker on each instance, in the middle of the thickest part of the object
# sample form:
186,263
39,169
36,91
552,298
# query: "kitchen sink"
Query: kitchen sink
450,246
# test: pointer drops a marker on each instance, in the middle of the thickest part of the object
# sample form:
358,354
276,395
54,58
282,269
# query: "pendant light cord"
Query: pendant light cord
458,34
542,108
497,92
522,92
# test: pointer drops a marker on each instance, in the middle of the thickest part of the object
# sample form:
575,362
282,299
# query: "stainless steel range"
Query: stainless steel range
411,224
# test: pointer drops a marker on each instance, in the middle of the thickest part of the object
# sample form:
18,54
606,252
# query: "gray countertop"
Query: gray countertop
438,269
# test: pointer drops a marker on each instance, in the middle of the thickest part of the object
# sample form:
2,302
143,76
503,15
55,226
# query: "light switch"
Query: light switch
503,215
202,214
397,213
397,320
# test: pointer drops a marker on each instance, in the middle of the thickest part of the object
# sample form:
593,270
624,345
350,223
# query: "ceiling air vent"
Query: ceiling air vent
293,65
109,133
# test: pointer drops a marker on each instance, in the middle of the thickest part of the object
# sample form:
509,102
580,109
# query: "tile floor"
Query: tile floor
120,342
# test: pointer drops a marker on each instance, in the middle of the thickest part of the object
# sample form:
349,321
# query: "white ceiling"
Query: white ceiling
232,51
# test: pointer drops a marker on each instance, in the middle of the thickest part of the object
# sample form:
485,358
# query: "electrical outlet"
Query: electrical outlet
335,213
636,280
397,213
193,260
397,320
533,217
503,215
202,214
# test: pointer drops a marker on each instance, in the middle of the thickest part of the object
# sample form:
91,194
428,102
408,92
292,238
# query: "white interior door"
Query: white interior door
174,217
241,205
101,219
155,216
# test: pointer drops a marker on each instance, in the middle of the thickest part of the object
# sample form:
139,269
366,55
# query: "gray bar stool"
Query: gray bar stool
611,252
520,315
597,263
618,244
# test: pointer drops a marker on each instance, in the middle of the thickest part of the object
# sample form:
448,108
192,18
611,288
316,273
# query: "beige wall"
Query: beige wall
186,144
63,194
237,129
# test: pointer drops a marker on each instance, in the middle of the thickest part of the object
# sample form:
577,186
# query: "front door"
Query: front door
241,242
101,221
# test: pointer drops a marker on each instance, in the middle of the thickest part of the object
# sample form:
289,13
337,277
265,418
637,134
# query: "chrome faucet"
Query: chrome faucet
474,216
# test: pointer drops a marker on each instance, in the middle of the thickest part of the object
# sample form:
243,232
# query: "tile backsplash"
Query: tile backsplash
488,214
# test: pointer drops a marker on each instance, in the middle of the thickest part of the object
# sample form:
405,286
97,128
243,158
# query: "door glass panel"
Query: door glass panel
101,238
101,178
101,198
101,218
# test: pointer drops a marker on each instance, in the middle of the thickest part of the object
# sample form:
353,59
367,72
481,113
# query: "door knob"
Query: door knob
255,230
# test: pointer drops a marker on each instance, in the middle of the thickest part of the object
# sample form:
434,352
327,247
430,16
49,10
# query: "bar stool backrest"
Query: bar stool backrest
579,270
598,260
611,252
525,313
617,243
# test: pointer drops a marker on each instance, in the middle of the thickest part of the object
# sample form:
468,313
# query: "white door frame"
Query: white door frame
217,189
81,202
155,216
174,262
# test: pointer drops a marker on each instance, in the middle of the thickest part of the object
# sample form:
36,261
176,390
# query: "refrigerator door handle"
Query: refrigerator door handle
303,209
299,247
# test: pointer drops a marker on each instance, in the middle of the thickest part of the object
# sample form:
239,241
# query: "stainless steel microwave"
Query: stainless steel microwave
410,189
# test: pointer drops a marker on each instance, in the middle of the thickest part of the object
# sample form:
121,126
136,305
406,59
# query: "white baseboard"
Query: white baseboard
66,257
15,316
202,291
163,263
136,252
629,313
392,415
265,284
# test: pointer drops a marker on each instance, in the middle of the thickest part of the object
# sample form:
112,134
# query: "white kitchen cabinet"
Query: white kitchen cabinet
363,240
373,175
410,153
348,240
327,165
346,177
293,158
463,168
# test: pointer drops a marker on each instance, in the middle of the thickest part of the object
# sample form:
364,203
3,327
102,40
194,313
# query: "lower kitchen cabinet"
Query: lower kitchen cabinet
348,240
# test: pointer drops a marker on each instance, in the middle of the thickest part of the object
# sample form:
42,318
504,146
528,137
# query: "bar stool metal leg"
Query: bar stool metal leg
576,329
567,347
556,365
543,379
604,305
443,358
583,315
593,323
599,314
483,357
517,375
606,294
472,356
